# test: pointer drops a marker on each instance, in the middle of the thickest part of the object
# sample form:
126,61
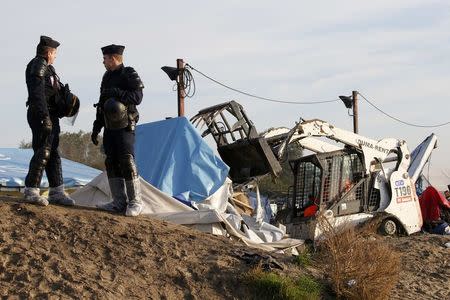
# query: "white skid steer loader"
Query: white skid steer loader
353,182
363,179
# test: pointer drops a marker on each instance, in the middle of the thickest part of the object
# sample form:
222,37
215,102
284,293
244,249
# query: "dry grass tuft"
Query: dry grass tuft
358,265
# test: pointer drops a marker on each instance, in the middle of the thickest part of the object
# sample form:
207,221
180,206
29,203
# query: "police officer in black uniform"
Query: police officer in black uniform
48,100
120,93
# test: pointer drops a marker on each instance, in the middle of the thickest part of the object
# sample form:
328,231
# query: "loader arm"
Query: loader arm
310,143
374,151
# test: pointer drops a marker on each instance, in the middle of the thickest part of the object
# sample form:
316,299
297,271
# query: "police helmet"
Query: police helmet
116,114
69,105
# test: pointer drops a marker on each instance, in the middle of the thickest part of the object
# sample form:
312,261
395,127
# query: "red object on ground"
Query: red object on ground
310,210
431,202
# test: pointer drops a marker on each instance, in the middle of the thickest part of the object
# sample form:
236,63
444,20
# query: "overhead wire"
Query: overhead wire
256,96
399,120
189,80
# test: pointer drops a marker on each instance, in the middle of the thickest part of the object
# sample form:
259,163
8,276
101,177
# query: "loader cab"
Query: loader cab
333,181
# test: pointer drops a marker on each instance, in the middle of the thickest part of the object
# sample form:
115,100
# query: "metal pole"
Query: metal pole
355,111
180,83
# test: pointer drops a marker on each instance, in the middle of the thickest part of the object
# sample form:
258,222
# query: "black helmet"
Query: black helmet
72,105
116,114
68,104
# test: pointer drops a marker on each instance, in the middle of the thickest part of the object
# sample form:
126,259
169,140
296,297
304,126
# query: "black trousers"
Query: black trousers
118,142
46,156
119,150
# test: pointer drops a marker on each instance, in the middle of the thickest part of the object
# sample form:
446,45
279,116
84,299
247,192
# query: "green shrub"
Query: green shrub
304,257
278,287
309,286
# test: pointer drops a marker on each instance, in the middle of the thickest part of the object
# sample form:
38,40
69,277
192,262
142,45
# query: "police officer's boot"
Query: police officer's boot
119,197
31,195
135,204
56,195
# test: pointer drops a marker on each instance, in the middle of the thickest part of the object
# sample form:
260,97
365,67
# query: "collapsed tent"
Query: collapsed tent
14,168
173,157
214,214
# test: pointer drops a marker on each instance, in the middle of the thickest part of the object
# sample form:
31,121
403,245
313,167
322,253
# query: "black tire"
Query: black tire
389,227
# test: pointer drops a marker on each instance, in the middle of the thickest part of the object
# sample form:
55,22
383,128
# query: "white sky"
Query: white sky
396,53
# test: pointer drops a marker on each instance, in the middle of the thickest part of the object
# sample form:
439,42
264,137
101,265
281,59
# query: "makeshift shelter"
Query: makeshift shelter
174,161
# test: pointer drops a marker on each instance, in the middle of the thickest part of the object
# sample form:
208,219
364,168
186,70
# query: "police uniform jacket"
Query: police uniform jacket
43,88
123,84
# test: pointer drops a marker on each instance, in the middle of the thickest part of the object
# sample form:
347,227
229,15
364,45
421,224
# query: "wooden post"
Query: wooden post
355,111
180,85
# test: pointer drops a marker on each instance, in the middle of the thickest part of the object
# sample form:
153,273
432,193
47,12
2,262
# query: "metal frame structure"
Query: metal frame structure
241,147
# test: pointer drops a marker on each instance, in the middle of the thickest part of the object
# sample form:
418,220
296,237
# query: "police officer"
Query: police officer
120,92
48,100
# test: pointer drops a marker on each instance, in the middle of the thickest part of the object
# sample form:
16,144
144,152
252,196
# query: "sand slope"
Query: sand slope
59,252
80,253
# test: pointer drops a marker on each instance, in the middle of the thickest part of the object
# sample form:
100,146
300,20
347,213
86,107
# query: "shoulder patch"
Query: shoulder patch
133,79
38,67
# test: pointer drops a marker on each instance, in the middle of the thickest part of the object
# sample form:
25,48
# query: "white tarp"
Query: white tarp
97,192
214,214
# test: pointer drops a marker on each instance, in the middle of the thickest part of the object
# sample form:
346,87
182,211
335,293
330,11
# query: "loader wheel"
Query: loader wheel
388,227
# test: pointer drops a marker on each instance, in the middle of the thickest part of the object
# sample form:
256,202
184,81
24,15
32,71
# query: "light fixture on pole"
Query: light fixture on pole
176,74
171,72
351,103
348,101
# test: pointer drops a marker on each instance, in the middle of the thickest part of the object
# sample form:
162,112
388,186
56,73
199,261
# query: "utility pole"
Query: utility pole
180,85
355,111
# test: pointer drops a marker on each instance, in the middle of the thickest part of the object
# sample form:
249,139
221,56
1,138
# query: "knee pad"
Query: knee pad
43,154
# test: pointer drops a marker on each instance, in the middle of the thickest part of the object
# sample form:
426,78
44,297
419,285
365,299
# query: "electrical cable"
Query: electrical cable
255,96
398,120
189,79
188,83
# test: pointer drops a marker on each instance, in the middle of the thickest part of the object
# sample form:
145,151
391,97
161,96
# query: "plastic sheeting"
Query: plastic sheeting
97,192
14,168
173,157
211,216
420,156
261,206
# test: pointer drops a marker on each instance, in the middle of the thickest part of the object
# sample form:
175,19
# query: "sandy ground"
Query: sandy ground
77,253
425,270
58,252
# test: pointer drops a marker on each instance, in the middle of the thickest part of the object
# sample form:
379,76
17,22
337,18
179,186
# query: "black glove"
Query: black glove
112,93
94,138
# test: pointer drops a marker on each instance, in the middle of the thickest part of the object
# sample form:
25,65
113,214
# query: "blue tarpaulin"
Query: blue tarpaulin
172,156
14,168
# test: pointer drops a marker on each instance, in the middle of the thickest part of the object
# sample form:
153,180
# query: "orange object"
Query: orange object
310,211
